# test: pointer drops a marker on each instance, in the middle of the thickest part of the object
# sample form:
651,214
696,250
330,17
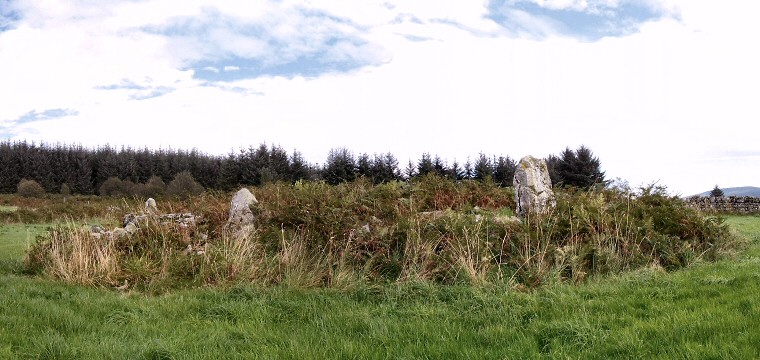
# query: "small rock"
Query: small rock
504,220
131,228
150,206
133,219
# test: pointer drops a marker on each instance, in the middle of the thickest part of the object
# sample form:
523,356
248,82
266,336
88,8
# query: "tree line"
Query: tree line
82,170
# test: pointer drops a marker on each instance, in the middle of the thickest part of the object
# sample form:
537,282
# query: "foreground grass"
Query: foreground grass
710,310
14,239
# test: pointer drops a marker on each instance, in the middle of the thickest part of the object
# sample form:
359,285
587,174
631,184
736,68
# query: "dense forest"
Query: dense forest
83,170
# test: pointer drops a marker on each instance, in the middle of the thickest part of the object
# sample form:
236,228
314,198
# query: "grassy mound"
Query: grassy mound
315,235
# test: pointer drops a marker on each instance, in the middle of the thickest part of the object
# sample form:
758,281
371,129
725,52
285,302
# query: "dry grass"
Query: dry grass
315,235
74,255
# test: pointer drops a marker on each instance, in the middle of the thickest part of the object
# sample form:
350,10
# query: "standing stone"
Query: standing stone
241,215
533,187
150,206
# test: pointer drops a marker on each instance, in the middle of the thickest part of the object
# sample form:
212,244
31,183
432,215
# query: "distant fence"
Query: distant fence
726,204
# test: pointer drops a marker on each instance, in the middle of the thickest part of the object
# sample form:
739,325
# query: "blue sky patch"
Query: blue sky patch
35,115
308,64
591,22
137,91
226,48
415,38
9,128
124,84
9,17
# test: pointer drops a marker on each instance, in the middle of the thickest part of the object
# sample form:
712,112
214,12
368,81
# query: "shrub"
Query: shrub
153,187
30,188
184,185
113,186
129,188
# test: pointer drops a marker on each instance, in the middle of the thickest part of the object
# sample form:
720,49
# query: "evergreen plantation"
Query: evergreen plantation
80,170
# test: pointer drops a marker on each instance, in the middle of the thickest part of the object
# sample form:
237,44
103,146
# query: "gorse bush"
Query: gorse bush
431,229
609,231
30,188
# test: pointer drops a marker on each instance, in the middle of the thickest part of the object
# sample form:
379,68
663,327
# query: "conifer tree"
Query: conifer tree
299,169
468,172
339,167
482,168
425,165
455,172
439,166
364,166
410,170
384,168
504,171
579,168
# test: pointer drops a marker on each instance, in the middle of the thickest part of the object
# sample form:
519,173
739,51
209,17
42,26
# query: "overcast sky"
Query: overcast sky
662,91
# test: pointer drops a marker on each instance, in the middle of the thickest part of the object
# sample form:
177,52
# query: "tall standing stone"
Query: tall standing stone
241,217
533,187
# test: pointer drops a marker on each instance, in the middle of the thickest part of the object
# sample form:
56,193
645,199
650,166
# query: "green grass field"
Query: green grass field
709,310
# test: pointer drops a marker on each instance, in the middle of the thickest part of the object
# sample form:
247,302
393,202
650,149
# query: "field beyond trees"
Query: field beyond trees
689,293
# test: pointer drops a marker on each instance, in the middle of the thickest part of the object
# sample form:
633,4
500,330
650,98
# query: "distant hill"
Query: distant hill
737,191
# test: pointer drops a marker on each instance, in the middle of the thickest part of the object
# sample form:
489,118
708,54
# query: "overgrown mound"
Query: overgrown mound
432,229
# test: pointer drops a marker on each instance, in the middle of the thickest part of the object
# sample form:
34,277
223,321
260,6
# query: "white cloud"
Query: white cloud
647,104
231,68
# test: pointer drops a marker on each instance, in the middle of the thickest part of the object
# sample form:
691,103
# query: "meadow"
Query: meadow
706,308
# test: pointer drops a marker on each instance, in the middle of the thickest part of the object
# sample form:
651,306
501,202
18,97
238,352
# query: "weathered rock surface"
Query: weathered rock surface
150,206
131,228
240,208
131,224
134,219
185,219
506,220
533,187
118,232
179,218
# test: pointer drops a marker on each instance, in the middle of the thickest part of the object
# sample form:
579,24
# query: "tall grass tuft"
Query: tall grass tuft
70,253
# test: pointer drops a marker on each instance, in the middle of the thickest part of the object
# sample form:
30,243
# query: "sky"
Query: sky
660,90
